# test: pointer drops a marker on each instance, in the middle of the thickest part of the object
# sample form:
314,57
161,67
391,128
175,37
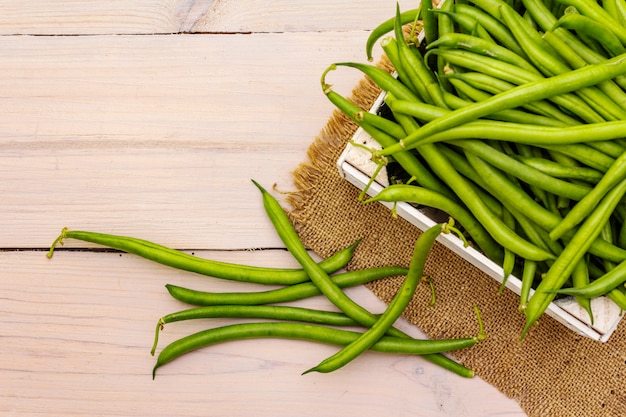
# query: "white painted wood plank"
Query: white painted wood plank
158,136
81,17
76,331
290,16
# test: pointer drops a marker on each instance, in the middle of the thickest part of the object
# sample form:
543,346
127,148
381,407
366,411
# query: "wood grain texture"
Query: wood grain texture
77,330
153,126
158,135
81,17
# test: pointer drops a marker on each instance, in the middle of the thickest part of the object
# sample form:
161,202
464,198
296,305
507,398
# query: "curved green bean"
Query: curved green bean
599,286
385,27
181,260
284,294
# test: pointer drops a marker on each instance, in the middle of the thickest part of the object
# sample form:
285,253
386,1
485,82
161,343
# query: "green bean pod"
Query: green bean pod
280,295
599,286
181,260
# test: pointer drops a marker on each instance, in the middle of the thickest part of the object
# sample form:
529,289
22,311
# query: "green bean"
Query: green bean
618,297
580,278
545,136
593,10
290,313
180,260
322,281
364,119
418,195
445,25
600,286
382,78
564,264
593,29
428,20
494,85
284,294
557,170
508,263
528,277
582,153
481,46
312,333
397,305
426,112
385,27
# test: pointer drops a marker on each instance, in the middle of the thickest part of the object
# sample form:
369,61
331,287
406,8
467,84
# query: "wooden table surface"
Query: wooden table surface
149,118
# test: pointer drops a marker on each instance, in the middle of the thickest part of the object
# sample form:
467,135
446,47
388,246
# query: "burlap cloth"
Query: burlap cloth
552,373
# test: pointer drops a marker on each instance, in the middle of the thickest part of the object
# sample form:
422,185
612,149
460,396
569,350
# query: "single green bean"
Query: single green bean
313,333
385,27
599,286
528,277
395,309
555,169
284,294
181,260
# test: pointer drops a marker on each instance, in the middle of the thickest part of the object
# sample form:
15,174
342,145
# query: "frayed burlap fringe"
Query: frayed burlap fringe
553,373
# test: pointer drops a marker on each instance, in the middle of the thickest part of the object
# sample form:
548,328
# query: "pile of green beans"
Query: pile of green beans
510,116
291,322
